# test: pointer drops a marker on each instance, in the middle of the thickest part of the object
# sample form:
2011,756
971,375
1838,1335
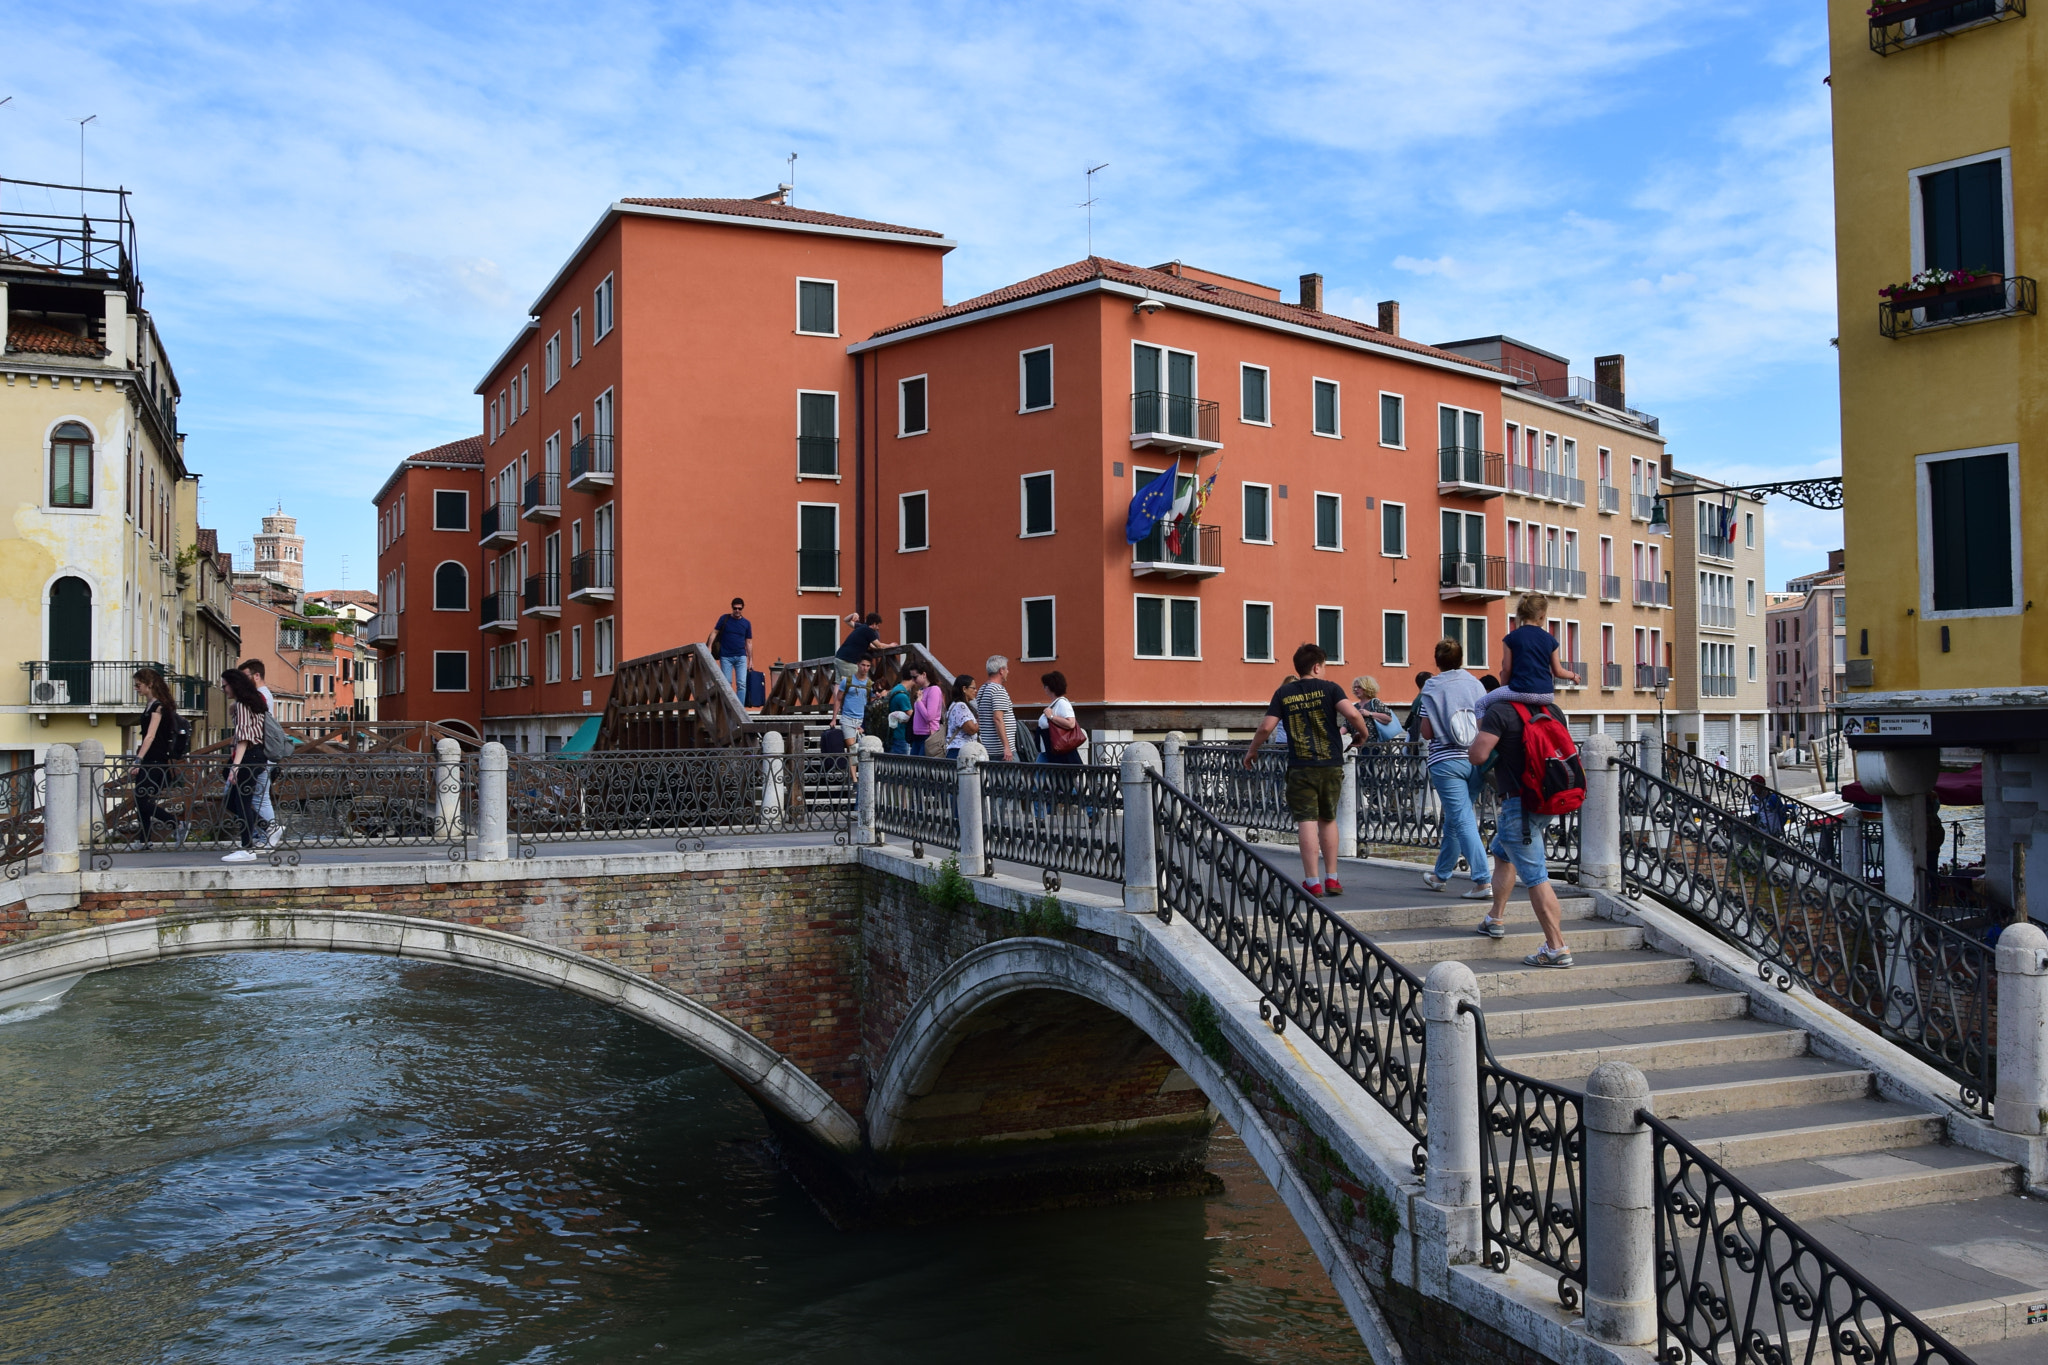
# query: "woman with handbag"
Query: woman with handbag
1063,733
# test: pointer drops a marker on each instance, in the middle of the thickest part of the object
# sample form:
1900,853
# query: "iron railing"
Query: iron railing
1201,547
1474,572
1058,817
590,572
1652,592
1932,19
1650,677
1911,314
1610,675
86,684
1641,506
1252,799
1398,806
1316,972
817,457
499,524
1471,466
1610,588
21,817
682,794
1176,416
918,799
543,593
1610,498
190,691
543,496
1924,985
97,242
500,610
1783,817
1532,1170
590,459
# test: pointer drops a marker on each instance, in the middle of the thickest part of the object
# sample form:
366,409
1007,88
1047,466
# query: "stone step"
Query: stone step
1700,1091
1906,1189
1590,971
1448,912
1805,1132
1419,946
1527,1016
1568,1058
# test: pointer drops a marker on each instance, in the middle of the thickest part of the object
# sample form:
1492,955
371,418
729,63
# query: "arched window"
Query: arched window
451,587
71,620
71,466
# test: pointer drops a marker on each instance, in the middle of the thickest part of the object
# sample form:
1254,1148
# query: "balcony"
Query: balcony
1930,310
1899,25
1176,422
817,570
1717,617
1717,547
1588,392
543,595
1576,667
1471,472
381,629
1546,578
501,682
1650,678
1610,588
1610,499
1610,676
590,576
542,500
1200,555
1652,593
1473,577
1717,684
817,457
190,692
90,685
590,463
501,610
1570,491
1641,506
500,525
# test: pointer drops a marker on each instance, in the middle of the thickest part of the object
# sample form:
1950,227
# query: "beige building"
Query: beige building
1806,647
212,643
1717,704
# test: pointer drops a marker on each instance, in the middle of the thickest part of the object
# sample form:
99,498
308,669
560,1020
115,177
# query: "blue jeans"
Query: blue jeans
899,746
1452,780
1520,842
735,671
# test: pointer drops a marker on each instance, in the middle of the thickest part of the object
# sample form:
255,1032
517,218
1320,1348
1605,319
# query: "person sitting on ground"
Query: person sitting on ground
1312,707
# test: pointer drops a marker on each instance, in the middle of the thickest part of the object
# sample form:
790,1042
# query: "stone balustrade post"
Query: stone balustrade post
447,790
1600,816
1347,807
2022,1101
1141,835
493,768
973,847
1650,750
1620,1240
1173,759
92,789
774,778
864,792
1451,1050
60,809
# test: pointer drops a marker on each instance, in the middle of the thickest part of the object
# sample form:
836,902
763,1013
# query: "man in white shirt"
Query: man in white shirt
264,810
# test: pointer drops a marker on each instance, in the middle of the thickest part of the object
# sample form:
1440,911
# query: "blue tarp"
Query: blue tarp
585,736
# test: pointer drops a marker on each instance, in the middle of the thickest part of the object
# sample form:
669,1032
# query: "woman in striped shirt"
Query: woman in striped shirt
246,710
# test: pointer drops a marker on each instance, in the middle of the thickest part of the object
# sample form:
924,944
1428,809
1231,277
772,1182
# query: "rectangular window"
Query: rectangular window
1258,513
1392,430
1039,641
817,308
1035,497
1258,632
1169,627
1969,532
1330,632
451,509
916,626
1329,521
1962,217
551,655
1034,379
1327,413
601,637
401,514
525,387
1749,530
817,435
817,550
1469,631
576,337
601,310
1394,530
816,636
1751,591
551,363
1394,637
911,419
1254,384
575,651
451,670
912,524
1752,663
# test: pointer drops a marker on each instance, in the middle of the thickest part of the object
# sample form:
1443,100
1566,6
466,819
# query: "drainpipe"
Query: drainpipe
860,486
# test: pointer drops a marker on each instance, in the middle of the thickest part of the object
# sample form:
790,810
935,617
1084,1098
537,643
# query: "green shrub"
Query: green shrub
949,890
1045,918
1380,1213
1207,1027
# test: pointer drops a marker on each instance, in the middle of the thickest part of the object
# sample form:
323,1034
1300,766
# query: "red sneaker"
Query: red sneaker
1332,887
1313,888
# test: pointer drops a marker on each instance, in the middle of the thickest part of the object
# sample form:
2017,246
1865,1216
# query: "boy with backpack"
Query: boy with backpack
1540,777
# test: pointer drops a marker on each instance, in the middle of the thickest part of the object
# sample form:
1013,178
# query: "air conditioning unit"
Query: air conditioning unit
1468,575
51,692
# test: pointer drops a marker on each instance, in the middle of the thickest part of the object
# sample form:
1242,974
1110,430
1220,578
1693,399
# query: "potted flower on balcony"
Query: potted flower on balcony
1932,283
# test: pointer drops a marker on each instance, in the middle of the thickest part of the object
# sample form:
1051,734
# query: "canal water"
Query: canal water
311,1157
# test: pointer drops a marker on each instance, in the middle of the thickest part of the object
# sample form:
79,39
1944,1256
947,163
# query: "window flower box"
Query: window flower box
1933,284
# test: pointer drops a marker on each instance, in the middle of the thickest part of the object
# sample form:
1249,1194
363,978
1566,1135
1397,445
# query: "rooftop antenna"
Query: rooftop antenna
791,186
1089,204
81,161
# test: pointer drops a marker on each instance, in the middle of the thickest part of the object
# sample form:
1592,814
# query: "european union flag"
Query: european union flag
1154,501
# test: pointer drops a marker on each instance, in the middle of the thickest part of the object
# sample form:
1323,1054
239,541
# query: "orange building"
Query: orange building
425,628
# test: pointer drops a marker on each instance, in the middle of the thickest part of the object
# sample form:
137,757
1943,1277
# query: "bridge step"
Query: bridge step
1609,1008
1910,1189
1569,1058
1811,1131
1419,946
1623,967
1743,1087
1439,912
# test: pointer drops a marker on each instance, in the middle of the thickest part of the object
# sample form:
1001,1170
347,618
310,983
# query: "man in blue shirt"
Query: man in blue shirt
733,638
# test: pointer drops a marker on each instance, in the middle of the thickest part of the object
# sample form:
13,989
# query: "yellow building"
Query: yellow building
1941,199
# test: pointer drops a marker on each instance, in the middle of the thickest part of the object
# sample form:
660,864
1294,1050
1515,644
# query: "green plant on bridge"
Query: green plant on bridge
949,890
1045,918
1207,1027
1380,1213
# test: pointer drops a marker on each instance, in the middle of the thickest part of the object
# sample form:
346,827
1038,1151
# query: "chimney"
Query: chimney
1834,561
1610,383
1312,293
1390,316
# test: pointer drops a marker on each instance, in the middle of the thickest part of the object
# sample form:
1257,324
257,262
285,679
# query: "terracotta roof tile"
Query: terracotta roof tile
468,450
25,334
1159,282
787,213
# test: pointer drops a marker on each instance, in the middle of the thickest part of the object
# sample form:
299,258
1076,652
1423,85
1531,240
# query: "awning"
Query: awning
1951,789
585,736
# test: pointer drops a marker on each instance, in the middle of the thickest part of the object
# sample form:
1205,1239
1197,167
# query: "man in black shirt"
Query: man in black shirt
863,641
1518,838
1311,707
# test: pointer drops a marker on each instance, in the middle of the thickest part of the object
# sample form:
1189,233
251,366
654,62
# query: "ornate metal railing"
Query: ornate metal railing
1253,799
319,801
1059,817
21,818
1739,1283
918,799
1316,972
684,795
1532,1158
1924,985
1398,806
1787,817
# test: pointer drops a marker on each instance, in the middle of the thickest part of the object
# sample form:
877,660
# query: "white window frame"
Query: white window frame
1244,642
437,671
603,308
525,388
1022,532
1195,369
1749,530
1752,663
1316,526
1320,608
1052,375
837,627
462,493
1924,531
837,417
551,363
903,545
1337,404
1385,394
1241,519
838,535
902,428
1917,213
436,594
1407,643
1024,630
903,626
575,337
1267,373
551,656
1166,628
575,653
1750,590
1384,504
797,297
604,646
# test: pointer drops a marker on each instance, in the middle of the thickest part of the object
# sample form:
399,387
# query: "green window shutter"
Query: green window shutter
1330,631
1151,627
1258,631
1187,642
1254,387
1038,378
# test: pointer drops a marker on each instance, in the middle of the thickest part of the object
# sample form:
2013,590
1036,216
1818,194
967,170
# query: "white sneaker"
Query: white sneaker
275,836
1481,891
241,855
1436,883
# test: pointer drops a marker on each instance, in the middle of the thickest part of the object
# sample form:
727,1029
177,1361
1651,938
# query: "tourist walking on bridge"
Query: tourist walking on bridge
1449,707
961,725
732,639
928,717
1518,839
246,761
163,739
1311,707
993,709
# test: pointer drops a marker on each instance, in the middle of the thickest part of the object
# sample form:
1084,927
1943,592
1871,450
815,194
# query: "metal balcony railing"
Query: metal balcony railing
1610,498
543,595
1610,588
1894,26
1717,684
381,629
97,242
1953,306
1652,593
1570,491
1200,554
501,610
1718,617
1479,574
190,691
543,498
1718,547
499,524
1471,470
502,681
1578,389
1650,677
1610,675
1577,667
590,575
86,684
1174,421
590,462
817,570
817,457
1641,505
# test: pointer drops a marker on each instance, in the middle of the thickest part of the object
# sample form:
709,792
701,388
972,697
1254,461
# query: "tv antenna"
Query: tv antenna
81,161
791,159
1089,204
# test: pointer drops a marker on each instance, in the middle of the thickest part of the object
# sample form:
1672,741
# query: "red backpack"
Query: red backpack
1553,779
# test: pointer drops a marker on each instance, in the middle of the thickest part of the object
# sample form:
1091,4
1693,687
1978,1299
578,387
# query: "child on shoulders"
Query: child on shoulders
1532,665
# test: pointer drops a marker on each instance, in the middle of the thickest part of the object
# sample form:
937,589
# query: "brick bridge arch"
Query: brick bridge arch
778,1085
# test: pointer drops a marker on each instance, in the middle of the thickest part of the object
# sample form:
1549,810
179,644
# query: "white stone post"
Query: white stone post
492,809
1141,838
1347,808
2023,1034
774,781
864,792
1620,1244
92,788
60,809
973,848
1451,1050
1173,759
1600,816
1650,749
447,790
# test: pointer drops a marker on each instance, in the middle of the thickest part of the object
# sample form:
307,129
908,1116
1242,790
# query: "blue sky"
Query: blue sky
344,210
